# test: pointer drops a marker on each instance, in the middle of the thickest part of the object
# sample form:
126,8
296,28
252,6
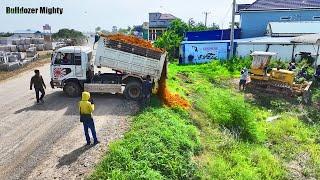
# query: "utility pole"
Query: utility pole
206,17
232,30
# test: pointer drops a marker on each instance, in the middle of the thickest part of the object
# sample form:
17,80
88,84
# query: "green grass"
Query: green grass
238,142
223,136
160,145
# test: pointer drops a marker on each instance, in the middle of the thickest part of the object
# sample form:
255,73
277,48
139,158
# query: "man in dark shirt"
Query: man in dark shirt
147,91
39,86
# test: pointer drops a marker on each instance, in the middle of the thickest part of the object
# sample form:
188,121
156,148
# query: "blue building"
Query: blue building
255,18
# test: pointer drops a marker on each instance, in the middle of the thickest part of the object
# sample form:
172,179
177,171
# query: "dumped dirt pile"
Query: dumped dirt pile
169,99
131,40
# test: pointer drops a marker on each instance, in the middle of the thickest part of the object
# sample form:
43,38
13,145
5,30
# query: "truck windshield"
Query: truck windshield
64,59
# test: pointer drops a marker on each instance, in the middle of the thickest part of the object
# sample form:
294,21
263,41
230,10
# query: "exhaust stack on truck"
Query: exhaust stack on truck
131,59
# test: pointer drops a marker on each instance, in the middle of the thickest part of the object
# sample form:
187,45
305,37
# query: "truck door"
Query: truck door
63,66
79,71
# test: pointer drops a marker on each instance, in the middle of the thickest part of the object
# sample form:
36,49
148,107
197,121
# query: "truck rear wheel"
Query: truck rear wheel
133,90
72,89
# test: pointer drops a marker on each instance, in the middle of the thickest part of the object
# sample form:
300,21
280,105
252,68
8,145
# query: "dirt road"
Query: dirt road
46,141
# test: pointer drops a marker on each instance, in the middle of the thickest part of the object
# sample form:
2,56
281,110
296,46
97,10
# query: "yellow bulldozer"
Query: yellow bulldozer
277,81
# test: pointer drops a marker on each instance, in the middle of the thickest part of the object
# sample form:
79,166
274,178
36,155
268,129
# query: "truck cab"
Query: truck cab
70,68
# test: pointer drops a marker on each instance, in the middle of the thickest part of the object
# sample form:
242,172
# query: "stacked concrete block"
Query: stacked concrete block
13,58
25,43
13,48
21,48
48,46
21,56
3,41
40,47
31,52
3,59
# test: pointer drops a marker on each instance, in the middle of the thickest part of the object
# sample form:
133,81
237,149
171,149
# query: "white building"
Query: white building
27,34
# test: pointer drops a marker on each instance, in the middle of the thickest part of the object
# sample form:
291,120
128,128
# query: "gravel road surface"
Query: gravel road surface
46,141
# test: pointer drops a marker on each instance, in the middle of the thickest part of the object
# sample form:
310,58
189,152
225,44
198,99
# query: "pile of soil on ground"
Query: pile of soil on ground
131,40
168,98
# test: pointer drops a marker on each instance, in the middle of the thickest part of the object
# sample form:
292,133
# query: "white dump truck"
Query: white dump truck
72,68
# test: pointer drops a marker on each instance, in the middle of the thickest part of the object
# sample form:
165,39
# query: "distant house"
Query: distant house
141,31
27,34
255,18
158,24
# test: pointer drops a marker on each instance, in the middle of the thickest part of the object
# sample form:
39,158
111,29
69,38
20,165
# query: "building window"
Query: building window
285,18
316,18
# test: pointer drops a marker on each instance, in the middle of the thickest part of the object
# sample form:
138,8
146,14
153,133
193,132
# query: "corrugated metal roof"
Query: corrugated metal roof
309,39
256,40
265,40
293,28
283,4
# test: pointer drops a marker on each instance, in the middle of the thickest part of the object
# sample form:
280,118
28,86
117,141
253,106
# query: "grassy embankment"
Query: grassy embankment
225,135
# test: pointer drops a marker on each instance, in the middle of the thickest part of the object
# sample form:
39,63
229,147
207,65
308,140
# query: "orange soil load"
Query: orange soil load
131,40
171,100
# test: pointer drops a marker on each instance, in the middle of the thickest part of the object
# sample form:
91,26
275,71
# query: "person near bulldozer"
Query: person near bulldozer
317,73
243,79
86,108
303,73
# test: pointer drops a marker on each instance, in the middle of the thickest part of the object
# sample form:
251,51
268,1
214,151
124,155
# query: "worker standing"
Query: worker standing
146,91
86,107
243,79
39,86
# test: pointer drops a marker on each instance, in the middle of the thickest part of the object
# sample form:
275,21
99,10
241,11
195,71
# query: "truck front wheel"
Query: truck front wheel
72,89
133,90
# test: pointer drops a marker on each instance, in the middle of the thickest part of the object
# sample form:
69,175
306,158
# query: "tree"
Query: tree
191,22
178,27
68,34
105,31
169,41
125,30
6,34
172,38
201,27
98,29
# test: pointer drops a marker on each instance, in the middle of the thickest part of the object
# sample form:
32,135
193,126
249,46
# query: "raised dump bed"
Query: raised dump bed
121,60
133,45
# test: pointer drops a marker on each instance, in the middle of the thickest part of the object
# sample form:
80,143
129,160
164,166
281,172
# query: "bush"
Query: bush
230,111
160,145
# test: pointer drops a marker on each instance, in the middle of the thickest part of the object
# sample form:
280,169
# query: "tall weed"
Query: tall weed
159,146
230,111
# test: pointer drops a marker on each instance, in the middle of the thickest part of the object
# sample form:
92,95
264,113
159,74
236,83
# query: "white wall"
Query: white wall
244,50
284,52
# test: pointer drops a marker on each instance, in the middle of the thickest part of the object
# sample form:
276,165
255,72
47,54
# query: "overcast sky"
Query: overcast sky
85,15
